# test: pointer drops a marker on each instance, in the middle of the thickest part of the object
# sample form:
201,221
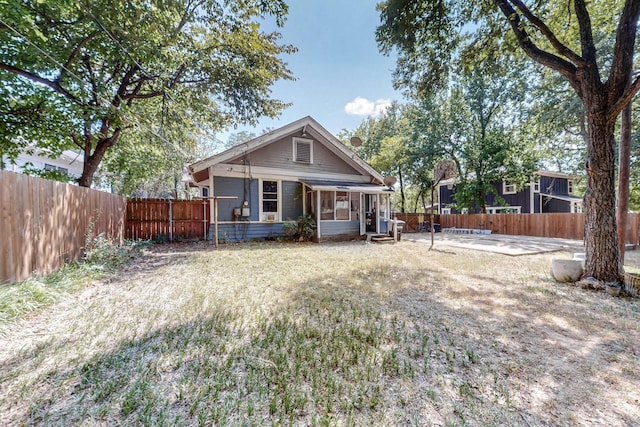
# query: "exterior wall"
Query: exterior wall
69,160
243,189
242,231
337,228
279,155
551,205
553,185
291,200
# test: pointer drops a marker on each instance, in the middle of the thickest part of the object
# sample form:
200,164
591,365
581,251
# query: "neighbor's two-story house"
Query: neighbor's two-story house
548,192
298,169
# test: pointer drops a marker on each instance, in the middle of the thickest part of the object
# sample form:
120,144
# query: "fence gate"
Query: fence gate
166,220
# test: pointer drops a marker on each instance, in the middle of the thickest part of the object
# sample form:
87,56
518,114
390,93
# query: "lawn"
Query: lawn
331,334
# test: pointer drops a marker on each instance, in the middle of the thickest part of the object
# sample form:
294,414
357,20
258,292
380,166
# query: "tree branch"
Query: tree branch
622,64
624,100
540,25
73,56
550,60
37,79
586,34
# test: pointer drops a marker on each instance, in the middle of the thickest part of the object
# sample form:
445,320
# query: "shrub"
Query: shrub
301,230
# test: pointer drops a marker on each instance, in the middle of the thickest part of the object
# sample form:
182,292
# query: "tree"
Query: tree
428,34
85,73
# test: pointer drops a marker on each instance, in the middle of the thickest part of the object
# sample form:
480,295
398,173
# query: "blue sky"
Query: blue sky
341,75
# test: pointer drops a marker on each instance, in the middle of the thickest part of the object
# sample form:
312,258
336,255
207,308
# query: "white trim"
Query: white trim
295,141
231,170
570,186
277,216
495,209
506,184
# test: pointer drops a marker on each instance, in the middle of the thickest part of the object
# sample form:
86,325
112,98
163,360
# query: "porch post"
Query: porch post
212,206
318,213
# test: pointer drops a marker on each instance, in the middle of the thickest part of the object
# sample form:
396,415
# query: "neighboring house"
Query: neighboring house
69,162
548,192
298,169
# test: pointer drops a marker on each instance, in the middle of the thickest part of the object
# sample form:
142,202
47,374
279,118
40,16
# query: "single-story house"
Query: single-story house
548,192
298,169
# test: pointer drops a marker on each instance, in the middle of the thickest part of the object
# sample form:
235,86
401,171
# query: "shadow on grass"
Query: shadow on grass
385,346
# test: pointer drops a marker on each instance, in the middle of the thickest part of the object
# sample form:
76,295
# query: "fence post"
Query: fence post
170,222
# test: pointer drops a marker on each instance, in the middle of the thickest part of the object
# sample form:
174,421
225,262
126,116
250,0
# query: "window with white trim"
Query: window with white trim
327,205
536,186
339,206
504,209
508,188
302,150
576,207
570,186
270,200
342,205
445,211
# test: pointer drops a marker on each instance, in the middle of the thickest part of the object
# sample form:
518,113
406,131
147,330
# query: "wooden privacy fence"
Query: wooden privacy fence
167,220
44,224
562,225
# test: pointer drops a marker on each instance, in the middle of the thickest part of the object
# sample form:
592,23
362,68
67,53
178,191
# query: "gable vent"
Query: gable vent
303,152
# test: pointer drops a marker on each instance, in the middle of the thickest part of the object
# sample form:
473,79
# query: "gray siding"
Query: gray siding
291,200
243,189
245,231
337,228
279,154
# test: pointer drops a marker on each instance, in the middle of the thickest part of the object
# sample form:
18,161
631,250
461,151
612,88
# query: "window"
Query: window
269,200
576,207
536,186
302,150
355,207
205,191
339,206
326,205
465,211
383,206
445,211
508,188
342,205
570,186
503,209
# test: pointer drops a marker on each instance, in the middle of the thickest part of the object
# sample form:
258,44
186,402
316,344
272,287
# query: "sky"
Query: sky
341,77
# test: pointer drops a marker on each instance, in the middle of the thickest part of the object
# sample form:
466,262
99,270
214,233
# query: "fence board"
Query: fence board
44,223
562,225
167,220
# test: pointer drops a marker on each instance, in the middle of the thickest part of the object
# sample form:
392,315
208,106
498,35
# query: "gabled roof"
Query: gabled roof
307,122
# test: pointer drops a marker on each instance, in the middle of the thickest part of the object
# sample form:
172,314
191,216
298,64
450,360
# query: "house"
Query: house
298,169
548,192
68,163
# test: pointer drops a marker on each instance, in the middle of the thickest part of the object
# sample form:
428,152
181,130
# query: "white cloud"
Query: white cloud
363,107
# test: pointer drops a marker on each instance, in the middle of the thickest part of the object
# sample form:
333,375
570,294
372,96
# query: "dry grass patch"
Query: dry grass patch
332,334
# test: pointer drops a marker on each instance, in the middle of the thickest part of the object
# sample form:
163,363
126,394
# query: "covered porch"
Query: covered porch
346,208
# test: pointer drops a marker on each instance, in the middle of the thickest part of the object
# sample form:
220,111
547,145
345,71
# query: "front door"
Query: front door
371,221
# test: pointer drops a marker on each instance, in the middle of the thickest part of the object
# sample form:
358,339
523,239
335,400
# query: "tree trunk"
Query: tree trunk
92,160
603,259
402,198
623,178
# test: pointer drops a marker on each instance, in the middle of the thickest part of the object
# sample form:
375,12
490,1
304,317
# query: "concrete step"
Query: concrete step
382,238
